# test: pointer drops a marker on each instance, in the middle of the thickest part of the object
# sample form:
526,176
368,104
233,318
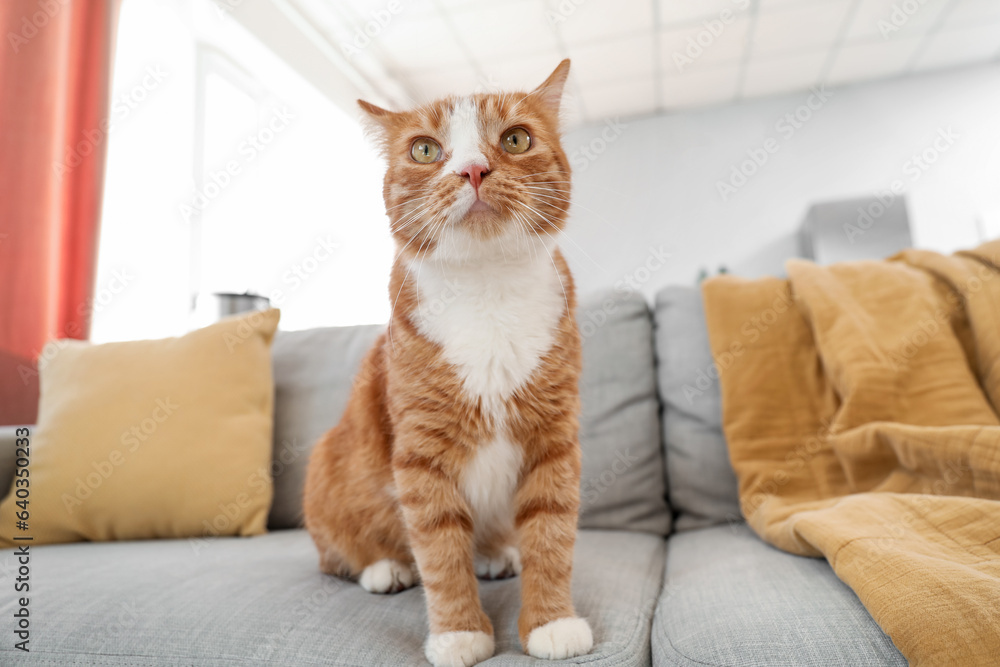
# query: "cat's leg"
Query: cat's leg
371,549
501,563
497,555
388,576
439,524
547,507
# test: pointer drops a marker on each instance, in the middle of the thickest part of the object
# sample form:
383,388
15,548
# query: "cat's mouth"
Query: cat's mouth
479,206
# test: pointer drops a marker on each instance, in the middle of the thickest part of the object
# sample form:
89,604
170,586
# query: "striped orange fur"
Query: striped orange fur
457,454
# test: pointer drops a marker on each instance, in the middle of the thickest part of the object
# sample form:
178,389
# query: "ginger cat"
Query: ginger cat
457,454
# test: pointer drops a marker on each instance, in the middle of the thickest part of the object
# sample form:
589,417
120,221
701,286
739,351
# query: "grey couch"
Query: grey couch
667,573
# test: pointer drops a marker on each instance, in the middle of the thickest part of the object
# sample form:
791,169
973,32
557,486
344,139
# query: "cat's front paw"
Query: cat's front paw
502,565
458,649
387,576
561,638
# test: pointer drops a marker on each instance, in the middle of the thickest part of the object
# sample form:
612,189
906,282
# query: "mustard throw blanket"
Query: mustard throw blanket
860,403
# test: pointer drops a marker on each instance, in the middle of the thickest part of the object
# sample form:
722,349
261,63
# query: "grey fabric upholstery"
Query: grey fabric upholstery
731,600
703,489
263,601
313,374
622,484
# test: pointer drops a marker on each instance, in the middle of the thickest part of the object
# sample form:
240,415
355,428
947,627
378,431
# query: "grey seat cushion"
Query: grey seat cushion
622,485
263,601
730,599
703,488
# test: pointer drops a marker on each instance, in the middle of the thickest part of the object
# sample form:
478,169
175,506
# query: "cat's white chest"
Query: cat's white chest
494,321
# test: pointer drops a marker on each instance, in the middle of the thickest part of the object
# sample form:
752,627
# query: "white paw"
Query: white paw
561,638
387,576
505,564
458,649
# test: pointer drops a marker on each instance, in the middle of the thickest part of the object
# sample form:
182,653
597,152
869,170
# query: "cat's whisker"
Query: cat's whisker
558,273
538,173
582,207
548,220
409,201
412,217
402,284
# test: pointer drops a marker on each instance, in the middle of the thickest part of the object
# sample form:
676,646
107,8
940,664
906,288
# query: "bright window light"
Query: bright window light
228,172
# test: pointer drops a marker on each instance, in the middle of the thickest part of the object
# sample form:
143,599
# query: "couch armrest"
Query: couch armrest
8,436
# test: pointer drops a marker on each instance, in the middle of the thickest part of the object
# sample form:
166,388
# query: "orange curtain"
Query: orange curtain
55,71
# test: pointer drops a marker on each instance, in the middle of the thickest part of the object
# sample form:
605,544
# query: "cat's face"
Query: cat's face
466,174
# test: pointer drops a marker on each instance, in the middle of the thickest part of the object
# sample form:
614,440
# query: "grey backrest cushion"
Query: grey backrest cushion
313,373
703,489
622,484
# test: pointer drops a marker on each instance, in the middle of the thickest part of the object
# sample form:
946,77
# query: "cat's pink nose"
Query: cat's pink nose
475,173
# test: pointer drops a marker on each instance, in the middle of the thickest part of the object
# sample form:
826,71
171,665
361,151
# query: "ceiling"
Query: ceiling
635,57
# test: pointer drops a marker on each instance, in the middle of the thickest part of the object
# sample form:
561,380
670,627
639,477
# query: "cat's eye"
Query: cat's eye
425,150
516,140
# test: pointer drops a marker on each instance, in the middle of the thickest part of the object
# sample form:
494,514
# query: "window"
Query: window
228,172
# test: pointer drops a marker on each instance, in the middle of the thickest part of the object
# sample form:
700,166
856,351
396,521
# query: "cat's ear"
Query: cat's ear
551,91
376,118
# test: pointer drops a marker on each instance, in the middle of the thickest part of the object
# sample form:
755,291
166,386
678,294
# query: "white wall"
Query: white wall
655,185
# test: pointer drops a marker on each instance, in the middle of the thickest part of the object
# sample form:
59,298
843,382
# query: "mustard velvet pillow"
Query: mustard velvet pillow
153,439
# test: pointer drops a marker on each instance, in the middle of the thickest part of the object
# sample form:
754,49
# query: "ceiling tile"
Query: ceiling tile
431,84
772,76
872,60
799,27
597,20
768,5
702,87
519,73
604,62
420,43
682,13
967,13
625,98
378,10
964,46
497,31
891,19
691,48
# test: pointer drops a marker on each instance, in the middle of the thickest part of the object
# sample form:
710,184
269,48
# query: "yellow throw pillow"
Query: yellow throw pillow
153,438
